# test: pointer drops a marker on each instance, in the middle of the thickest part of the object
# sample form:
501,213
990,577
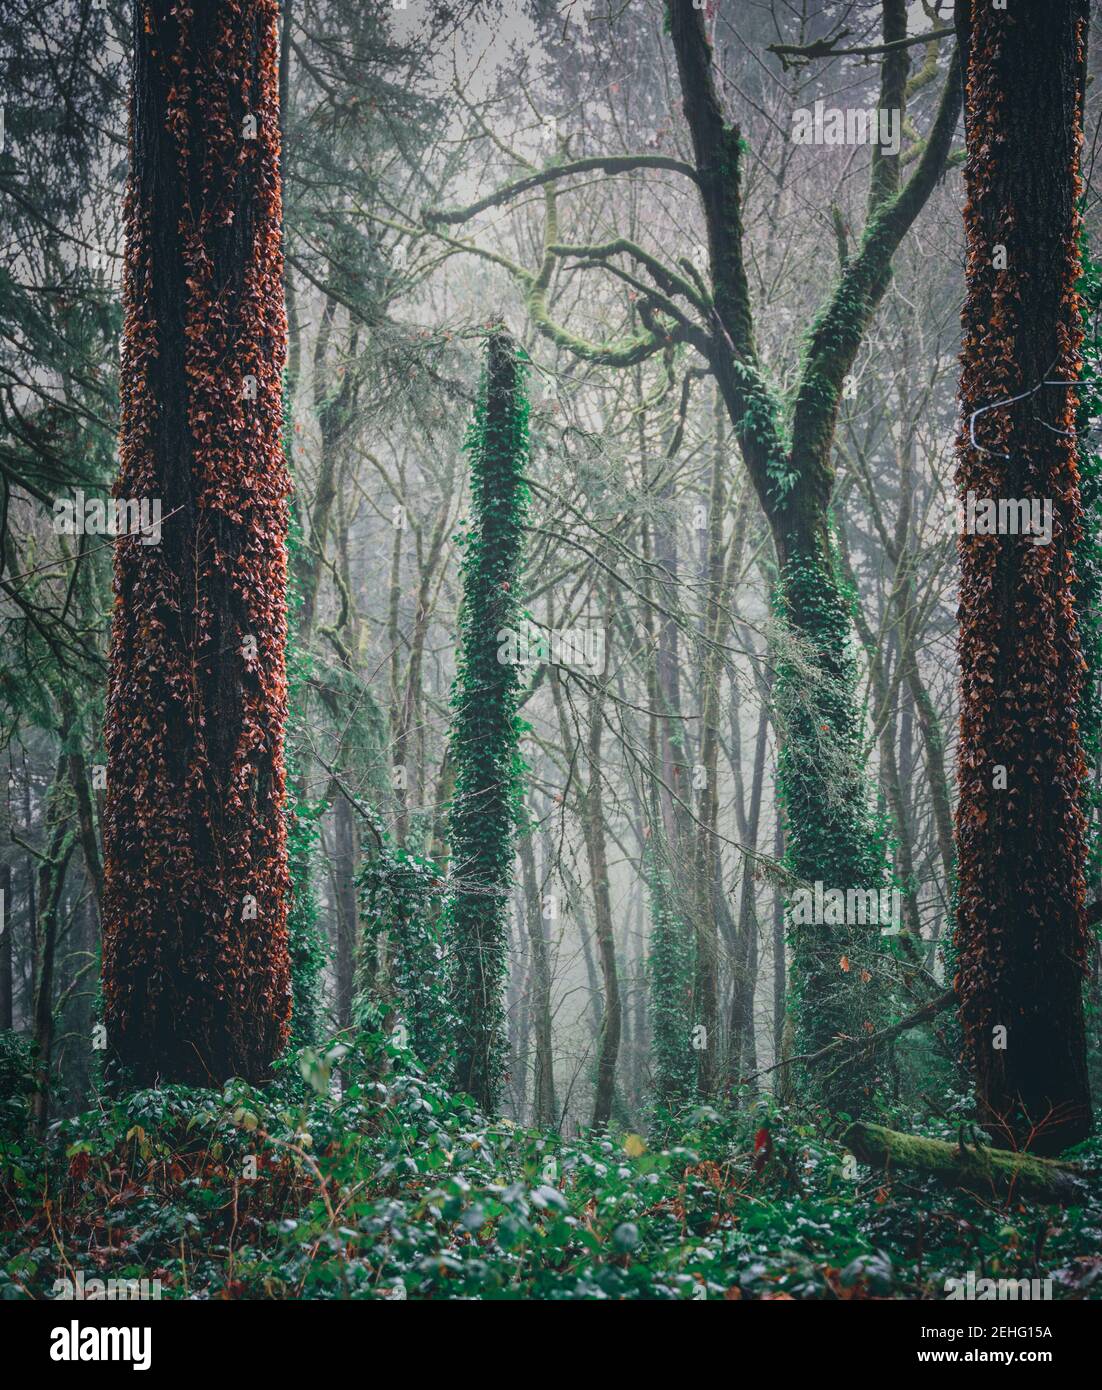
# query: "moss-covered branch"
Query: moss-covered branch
989,1173
605,164
668,280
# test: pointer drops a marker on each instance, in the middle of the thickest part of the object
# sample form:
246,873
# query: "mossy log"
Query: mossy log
989,1173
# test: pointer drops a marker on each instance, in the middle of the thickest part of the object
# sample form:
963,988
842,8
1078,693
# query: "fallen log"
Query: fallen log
988,1173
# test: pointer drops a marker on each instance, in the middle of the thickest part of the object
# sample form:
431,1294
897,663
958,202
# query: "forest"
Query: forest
551,698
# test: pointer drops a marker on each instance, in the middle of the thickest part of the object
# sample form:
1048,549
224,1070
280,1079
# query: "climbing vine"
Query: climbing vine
1088,550
306,941
836,980
670,971
404,980
1020,826
485,732
196,966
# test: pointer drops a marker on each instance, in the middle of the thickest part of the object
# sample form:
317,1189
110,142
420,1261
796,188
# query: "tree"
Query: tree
196,973
792,470
485,730
593,827
544,1105
1021,931
670,970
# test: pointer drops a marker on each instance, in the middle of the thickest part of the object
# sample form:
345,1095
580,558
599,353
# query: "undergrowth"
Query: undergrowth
354,1176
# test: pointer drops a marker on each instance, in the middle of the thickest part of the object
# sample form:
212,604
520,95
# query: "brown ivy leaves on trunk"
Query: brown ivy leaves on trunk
196,969
1021,930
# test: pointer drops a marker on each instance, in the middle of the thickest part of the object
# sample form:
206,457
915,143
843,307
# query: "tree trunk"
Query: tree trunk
884,719
1021,929
86,820
518,1008
706,850
544,1109
593,823
742,1049
51,881
30,874
6,982
484,736
7,914
406,722
780,962
990,1174
345,855
196,969
332,407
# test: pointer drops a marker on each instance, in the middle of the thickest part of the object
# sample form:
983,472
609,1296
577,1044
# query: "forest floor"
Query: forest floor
396,1189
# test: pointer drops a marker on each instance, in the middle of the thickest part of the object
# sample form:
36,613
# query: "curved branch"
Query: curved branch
825,48
608,164
666,279
622,352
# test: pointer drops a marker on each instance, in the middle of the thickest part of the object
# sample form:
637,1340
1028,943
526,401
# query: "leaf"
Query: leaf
763,1148
626,1236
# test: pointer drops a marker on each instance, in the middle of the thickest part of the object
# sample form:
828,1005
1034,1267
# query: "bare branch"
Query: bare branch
608,164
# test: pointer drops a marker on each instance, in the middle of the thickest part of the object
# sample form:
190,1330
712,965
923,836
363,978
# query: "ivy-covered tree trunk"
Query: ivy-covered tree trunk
1021,932
1088,558
196,972
671,958
670,971
835,988
484,733
344,866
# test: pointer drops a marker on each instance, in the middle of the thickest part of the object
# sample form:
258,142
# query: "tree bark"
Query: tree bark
780,962
345,857
1021,930
6,980
544,1109
708,868
742,1048
593,824
86,820
7,914
196,968
51,881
